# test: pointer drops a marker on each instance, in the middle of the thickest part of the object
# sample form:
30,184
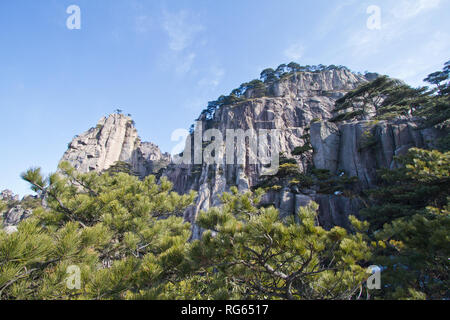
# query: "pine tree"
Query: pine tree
258,256
123,235
410,223
436,111
127,240
414,253
121,166
364,100
3,207
421,181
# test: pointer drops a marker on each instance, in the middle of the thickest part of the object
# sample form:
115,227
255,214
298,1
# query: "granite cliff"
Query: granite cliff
299,106
114,139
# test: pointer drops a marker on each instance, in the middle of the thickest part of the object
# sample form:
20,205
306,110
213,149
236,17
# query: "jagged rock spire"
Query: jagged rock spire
114,139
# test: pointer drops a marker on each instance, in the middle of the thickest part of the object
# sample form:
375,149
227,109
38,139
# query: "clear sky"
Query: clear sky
162,61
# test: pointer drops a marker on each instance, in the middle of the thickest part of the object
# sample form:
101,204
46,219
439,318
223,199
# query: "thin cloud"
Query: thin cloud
213,79
185,64
396,24
183,33
426,59
333,17
410,9
294,52
142,24
180,30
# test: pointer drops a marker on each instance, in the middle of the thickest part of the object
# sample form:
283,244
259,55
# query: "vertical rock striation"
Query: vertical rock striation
114,139
359,148
294,104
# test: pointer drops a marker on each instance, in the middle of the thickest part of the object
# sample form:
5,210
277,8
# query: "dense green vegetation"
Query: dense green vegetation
409,211
261,257
386,98
410,218
290,176
128,241
121,233
121,166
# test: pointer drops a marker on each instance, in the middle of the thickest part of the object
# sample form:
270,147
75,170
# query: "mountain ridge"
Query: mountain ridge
299,104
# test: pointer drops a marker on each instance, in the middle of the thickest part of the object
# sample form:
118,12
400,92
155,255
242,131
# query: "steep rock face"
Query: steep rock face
113,139
295,103
330,84
299,106
8,196
334,210
360,148
15,215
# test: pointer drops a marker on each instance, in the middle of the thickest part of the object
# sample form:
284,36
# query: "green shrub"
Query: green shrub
301,150
346,116
368,141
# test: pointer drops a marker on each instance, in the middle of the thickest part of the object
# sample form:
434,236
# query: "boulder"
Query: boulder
16,215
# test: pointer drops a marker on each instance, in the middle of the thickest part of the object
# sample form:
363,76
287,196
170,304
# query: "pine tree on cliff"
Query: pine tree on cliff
422,181
437,109
440,79
369,100
121,166
386,98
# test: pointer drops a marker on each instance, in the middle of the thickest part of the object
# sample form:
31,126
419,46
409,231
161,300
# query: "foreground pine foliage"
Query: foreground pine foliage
410,218
122,233
128,240
261,257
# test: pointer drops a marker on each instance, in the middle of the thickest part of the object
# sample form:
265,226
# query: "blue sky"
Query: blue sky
162,61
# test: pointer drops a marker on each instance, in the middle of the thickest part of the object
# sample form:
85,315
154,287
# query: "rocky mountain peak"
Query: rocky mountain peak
114,139
8,196
300,83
